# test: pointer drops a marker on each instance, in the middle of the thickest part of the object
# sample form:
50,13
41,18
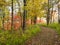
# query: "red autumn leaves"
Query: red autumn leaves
16,23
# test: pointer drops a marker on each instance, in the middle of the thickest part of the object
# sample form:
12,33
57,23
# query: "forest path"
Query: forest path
47,36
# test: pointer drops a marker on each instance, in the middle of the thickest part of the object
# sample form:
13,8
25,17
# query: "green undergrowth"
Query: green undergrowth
17,37
55,26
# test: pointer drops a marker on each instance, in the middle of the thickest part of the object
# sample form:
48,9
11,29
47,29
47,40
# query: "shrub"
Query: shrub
54,26
17,37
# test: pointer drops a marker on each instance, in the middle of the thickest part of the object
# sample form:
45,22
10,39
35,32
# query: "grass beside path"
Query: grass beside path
16,37
54,26
47,36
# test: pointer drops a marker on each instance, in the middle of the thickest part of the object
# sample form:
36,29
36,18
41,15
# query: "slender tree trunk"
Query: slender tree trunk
12,16
35,19
48,14
24,16
3,21
35,16
31,21
40,20
51,14
58,13
3,17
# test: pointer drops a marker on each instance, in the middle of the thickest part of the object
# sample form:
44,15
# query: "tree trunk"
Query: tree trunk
35,19
51,15
12,16
3,21
31,21
48,14
24,16
3,18
58,14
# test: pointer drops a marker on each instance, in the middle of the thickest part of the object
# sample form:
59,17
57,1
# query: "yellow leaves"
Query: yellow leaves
34,7
2,3
6,12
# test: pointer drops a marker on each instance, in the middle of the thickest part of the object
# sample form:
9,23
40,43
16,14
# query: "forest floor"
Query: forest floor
47,36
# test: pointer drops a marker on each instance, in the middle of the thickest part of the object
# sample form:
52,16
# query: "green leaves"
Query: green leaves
13,37
55,26
35,7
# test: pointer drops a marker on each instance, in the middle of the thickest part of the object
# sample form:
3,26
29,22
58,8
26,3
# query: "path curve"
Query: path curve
46,37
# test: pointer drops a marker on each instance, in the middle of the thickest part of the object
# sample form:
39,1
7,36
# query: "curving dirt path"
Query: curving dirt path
46,37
